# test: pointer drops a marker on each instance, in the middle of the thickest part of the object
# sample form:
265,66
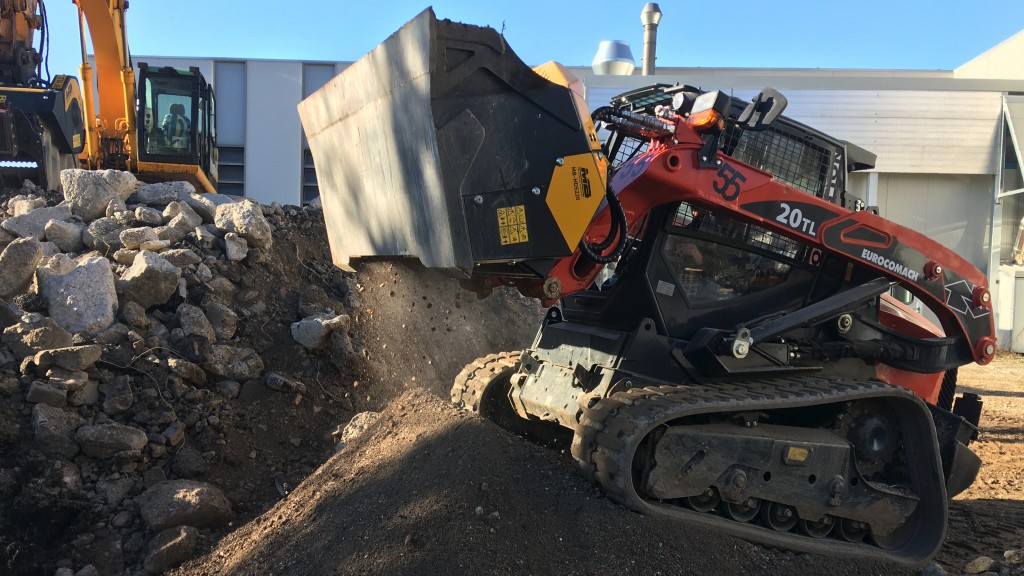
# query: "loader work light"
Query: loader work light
708,112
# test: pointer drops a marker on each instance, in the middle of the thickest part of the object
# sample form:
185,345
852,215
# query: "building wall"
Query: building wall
954,210
273,151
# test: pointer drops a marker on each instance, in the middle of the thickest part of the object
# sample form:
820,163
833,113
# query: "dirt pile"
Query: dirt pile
172,363
428,489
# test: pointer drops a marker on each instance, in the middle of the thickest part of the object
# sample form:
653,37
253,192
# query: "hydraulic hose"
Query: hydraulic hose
619,228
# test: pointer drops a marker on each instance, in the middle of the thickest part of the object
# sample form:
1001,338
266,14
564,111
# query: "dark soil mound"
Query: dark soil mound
428,489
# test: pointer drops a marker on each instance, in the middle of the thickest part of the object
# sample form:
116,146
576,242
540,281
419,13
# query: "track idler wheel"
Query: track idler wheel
779,517
817,529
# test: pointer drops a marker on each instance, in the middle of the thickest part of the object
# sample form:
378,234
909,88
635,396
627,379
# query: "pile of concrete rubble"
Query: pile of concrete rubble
119,342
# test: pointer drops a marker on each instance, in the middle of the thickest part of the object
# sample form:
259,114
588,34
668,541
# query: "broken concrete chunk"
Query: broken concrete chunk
132,238
155,245
33,333
134,314
6,237
187,370
184,503
83,299
18,264
21,204
233,362
205,237
117,395
125,257
89,192
148,215
70,358
171,547
104,235
246,219
181,257
174,433
114,207
54,430
175,208
194,322
150,281
313,332
66,235
206,204
176,230
107,439
68,379
33,224
235,247
87,395
163,193
45,393
223,320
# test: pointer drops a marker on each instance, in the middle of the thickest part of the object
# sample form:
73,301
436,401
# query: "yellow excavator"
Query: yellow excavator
160,126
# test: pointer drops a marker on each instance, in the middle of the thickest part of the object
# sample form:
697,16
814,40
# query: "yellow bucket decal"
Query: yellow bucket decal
576,190
512,225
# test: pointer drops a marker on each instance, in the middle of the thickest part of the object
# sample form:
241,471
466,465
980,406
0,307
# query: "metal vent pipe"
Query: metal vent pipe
650,17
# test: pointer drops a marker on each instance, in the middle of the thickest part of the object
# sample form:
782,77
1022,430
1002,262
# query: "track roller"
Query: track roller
779,517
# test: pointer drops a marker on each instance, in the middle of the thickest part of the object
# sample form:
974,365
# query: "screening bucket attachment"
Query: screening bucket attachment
440,144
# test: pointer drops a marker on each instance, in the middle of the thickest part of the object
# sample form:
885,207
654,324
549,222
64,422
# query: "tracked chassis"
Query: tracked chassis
813,464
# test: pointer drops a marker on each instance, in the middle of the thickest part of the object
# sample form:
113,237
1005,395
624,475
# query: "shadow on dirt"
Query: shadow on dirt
432,490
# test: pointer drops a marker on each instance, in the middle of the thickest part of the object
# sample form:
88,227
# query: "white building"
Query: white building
949,143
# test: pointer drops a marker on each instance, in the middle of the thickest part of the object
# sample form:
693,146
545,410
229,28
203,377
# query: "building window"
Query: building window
231,170
310,189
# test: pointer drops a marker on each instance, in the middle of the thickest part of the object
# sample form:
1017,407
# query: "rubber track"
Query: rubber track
474,379
610,431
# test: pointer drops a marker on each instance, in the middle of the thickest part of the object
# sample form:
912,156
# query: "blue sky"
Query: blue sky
897,34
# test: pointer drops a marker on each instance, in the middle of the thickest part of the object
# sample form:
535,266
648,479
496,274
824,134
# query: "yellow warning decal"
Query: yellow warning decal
3,98
76,140
576,190
512,225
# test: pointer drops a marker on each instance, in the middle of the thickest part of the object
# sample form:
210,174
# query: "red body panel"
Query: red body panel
667,174
900,317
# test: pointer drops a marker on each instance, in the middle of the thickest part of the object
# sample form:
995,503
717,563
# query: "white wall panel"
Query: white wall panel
273,143
956,211
229,87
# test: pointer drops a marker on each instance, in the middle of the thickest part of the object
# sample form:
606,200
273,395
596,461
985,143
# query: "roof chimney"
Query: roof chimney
613,58
650,17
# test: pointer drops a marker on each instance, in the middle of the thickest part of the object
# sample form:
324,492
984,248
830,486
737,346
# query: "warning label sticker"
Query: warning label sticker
512,225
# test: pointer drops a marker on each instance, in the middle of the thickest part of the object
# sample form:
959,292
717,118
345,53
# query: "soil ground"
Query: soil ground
988,518
431,490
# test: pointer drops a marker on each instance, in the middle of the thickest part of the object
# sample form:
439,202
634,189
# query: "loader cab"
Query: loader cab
177,126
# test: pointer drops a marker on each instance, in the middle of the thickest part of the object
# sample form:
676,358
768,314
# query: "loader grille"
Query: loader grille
799,162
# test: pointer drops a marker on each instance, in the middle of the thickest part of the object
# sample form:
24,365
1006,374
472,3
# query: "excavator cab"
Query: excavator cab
176,125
